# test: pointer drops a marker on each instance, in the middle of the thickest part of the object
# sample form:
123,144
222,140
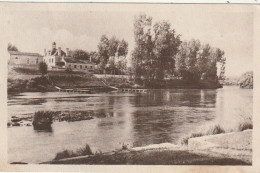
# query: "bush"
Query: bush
216,129
185,140
42,120
43,68
69,153
244,126
64,154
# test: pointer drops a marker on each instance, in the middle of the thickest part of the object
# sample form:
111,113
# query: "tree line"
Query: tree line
110,56
160,53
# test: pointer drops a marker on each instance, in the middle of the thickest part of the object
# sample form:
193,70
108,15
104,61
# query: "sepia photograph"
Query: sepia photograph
129,84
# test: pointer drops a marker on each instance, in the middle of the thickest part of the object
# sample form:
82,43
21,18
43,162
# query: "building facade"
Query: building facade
79,65
57,59
25,59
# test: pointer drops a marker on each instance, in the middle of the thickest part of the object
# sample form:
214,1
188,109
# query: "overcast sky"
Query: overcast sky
79,26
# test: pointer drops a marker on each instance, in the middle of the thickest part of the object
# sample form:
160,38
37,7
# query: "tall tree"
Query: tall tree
142,56
166,44
122,48
103,51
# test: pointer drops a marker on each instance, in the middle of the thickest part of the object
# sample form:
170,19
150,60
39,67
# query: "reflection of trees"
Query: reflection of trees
155,124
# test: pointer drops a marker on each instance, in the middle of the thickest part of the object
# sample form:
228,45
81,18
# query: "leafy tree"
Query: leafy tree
103,51
166,44
155,50
113,46
110,54
142,56
122,48
11,47
80,54
43,68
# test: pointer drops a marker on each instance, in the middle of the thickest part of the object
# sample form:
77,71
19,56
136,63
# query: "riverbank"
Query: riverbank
64,80
222,149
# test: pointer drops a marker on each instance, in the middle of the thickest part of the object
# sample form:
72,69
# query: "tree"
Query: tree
80,54
111,53
155,50
122,48
113,46
166,44
142,56
103,51
11,47
43,68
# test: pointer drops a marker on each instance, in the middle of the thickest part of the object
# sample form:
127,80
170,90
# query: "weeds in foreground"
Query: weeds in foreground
216,129
69,153
244,126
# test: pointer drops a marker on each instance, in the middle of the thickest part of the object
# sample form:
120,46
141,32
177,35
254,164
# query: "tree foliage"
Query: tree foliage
11,47
80,54
43,68
155,49
111,55
159,52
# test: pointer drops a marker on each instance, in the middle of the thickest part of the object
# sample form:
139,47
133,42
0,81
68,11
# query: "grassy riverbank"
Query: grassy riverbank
152,157
223,149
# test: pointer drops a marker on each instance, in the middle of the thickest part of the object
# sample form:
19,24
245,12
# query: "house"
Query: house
79,65
54,58
25,59
57,59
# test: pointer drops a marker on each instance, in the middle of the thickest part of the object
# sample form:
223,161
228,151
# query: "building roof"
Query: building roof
24,53
74,60
54,52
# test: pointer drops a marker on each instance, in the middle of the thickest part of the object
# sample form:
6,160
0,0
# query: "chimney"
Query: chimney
45,53
59,51
53,45
67,52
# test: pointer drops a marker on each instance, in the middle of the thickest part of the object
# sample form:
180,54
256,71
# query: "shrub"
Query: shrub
216,129
43,68
64,154
42,120
185,140
84,151
244,126
69,153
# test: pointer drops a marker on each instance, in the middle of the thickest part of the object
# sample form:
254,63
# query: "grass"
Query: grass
69,153
152,157
244,126
212,130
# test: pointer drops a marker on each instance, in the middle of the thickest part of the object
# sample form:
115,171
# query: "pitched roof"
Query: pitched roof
24,53
74,60
54,52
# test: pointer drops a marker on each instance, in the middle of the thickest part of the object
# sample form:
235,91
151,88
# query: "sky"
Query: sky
34,27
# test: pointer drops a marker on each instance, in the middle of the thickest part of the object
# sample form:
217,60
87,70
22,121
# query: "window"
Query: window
49,60
16,57
37,61
90,66
80,66
86,66
75,66
52,60
69,66
28,61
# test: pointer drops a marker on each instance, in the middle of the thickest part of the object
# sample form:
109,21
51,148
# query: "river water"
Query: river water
122,118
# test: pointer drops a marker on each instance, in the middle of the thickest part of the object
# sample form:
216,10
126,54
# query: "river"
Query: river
122,118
